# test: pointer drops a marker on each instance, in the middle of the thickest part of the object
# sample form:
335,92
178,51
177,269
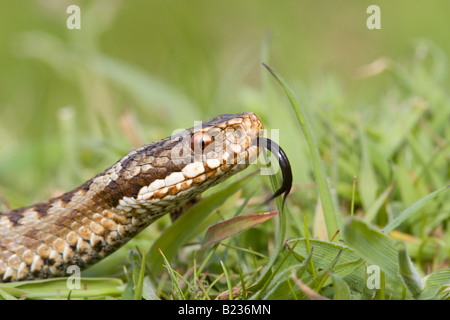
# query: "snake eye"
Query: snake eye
200,141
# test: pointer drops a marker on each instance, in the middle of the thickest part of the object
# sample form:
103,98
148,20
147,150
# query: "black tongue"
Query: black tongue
284,165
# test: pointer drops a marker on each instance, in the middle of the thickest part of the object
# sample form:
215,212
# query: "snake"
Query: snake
88,223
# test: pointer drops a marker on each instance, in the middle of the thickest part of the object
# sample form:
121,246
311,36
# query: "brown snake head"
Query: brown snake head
88,223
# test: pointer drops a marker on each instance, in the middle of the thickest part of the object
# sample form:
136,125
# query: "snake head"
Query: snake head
227,144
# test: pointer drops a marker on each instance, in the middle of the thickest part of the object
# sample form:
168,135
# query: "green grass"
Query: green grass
394,215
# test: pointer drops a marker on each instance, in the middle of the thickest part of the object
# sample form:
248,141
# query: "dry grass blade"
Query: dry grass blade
233,226
310,293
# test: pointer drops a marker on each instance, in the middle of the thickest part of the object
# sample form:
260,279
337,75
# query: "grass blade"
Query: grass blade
330,211
436,284
411,210
139,282
367,178
373,210
341,289
173,276
377,249
233,226
227,277
90,288
409,274
4,295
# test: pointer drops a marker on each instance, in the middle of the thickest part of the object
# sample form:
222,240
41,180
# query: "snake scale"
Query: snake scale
85,225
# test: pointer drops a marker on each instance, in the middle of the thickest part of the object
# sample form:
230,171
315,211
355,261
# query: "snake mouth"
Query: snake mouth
283,161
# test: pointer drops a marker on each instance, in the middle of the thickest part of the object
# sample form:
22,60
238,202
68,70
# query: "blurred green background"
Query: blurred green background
73,101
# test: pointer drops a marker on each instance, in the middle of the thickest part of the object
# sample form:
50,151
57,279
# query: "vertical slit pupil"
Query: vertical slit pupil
200,141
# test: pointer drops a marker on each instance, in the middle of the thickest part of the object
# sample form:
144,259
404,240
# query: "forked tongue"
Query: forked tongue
285,166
